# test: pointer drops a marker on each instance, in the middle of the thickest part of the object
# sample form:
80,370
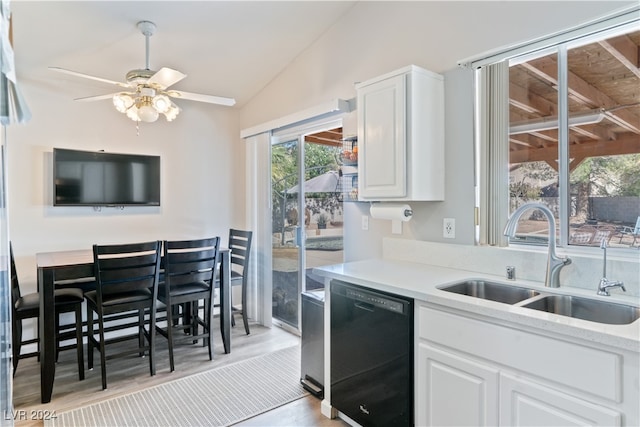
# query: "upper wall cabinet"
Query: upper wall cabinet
401,136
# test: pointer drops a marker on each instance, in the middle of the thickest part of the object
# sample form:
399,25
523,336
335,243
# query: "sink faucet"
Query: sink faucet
606,284
554,262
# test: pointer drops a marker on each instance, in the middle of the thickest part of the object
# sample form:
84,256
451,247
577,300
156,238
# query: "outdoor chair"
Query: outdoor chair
630,231
582,235
127,283
189,274
601,233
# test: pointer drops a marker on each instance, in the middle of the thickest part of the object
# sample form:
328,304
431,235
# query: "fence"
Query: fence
623,210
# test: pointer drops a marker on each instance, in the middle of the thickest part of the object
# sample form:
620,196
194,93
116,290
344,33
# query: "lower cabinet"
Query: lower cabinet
455,391
525,403
471,372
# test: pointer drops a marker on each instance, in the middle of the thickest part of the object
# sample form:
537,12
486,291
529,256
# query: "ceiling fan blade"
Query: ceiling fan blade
87,76
95,97
202,98
166,77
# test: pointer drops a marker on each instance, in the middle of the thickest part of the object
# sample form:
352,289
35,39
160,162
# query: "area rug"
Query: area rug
220,397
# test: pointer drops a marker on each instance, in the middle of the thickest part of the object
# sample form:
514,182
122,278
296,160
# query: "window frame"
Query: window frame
558,44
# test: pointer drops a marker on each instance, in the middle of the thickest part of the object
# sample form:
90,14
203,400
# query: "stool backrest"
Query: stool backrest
240,246
190,261
126,267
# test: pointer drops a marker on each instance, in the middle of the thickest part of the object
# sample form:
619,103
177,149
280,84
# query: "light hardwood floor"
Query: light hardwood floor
128,375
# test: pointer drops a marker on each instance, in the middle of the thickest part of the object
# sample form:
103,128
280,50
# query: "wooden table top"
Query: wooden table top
62,258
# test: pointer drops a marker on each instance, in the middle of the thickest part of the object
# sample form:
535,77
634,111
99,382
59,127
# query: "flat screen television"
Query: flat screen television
90,178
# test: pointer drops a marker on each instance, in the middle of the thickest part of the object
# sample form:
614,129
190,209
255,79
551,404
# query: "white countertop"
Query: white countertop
421,282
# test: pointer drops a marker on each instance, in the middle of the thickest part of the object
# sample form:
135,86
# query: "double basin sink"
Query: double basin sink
593,310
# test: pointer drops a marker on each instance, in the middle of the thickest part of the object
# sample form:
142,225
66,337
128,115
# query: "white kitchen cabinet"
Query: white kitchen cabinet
524,402
401,136
454,391
511,376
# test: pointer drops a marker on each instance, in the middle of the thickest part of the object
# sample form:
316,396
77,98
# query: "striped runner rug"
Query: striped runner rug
219,397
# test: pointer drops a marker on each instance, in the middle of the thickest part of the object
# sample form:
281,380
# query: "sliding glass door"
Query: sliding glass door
306,215
287,249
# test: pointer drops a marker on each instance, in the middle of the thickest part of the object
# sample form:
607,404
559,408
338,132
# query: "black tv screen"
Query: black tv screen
88,178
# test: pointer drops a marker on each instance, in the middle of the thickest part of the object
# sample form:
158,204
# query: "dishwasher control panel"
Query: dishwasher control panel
377,300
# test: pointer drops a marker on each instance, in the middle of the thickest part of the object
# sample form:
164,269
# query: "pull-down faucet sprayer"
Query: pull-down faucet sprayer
554,262
606,284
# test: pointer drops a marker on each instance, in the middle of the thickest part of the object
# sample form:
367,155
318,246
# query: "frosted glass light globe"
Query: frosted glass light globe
147,113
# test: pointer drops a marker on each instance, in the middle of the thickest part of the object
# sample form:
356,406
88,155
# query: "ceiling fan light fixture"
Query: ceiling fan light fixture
172,112
122,102
132,113
162,103
146,93
147,113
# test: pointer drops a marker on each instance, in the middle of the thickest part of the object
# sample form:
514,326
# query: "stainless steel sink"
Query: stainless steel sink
491,291
586,309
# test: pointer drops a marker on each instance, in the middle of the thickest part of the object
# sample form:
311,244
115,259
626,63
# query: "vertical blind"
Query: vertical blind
493,130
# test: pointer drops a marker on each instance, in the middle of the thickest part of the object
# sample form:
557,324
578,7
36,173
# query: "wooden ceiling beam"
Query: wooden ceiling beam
332,137
552,164
624,50
547,68
323,141
625,144
575,162
530,102
594,131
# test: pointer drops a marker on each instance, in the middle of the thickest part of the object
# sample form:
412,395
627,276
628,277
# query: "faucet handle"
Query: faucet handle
606,284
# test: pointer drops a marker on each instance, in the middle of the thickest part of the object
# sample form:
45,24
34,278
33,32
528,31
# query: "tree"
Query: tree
609,175
284,174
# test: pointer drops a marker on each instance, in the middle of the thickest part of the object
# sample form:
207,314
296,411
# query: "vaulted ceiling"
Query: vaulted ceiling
226,48
604,104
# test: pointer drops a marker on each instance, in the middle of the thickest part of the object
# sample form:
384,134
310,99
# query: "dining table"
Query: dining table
60,266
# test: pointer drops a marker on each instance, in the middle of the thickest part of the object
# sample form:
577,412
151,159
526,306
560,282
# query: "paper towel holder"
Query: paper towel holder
396,213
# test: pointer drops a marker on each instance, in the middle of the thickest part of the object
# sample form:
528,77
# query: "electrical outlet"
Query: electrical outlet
365,222
449,228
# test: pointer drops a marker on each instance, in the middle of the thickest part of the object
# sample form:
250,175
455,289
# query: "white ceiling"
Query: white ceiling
226,48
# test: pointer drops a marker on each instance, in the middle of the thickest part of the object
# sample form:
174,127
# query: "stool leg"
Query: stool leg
57,329
79,343
208,315
103,357
170,324
90,342
141,331
16,331
244,308
152,340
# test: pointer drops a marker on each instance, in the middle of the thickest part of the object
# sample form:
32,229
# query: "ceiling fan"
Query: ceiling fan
146,92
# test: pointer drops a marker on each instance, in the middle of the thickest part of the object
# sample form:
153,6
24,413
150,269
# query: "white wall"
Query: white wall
202,175
426,222
377,37
374,38
202,155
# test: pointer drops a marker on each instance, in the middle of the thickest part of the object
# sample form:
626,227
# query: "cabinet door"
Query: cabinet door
524,402
454,391
382,139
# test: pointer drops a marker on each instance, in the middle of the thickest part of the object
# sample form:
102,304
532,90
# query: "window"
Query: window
574,140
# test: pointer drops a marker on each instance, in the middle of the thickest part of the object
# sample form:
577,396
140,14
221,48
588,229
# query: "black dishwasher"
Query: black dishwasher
371,355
